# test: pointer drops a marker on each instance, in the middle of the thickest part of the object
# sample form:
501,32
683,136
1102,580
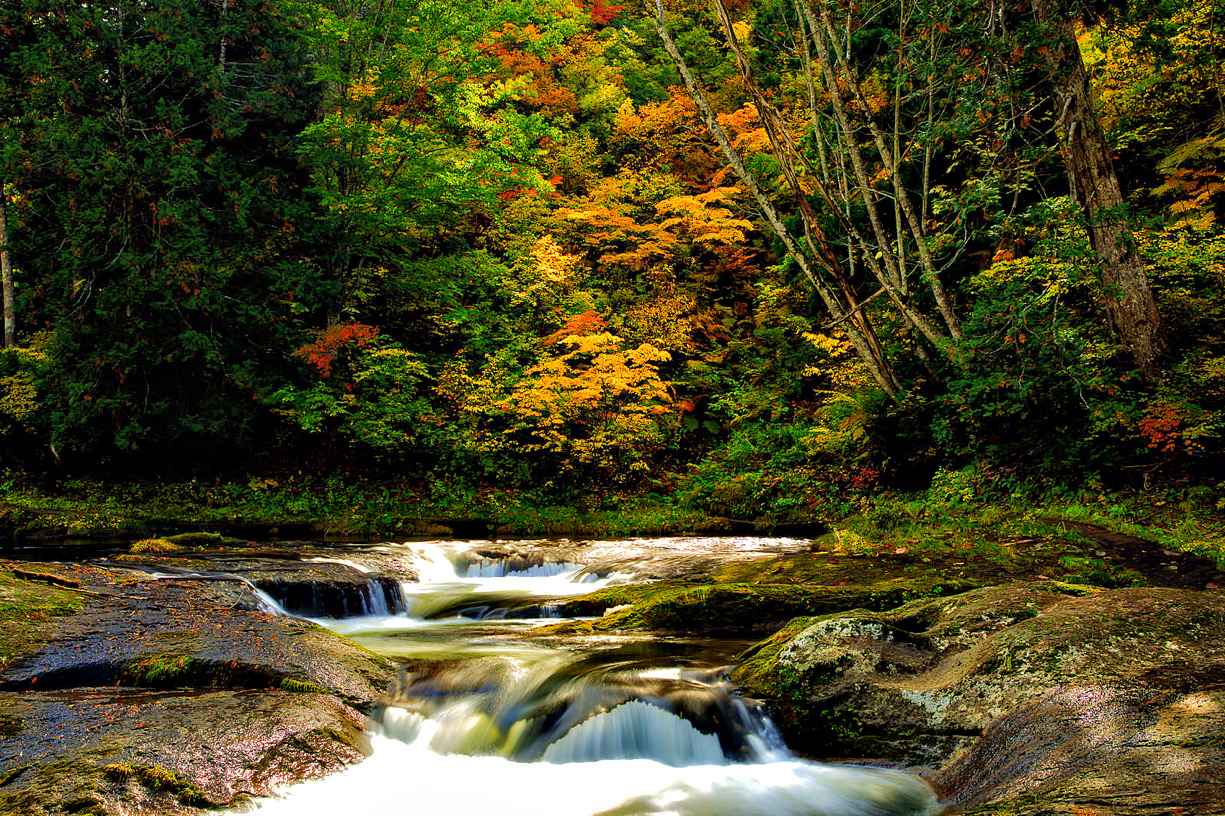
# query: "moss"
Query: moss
88,805
157,670
302,686
157,546
728,607
200,541
9,776
157,778
758,672
25,606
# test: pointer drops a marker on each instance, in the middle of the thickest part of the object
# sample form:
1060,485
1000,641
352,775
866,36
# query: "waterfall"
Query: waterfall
488,719
637,730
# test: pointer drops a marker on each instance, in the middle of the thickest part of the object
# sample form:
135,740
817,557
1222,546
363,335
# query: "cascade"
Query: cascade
487,719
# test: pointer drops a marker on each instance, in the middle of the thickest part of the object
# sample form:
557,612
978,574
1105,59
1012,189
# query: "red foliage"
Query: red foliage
327,344
602,13
1160,426
581,325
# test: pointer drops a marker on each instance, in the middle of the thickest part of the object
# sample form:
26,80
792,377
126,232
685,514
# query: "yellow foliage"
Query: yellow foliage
547,277
665,321
841,368
18,391
595,403
701,221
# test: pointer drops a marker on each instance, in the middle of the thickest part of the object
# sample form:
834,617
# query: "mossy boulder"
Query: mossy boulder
122,751
924,681
109,669
680,607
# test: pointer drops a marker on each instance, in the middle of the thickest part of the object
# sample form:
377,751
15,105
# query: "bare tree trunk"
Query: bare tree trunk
869,350
225,6
1130,304
890,161
6,273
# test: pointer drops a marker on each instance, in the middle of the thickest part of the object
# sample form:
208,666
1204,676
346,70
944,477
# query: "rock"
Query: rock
1069,698
311,581
1101,750
142,695
125,750
684,607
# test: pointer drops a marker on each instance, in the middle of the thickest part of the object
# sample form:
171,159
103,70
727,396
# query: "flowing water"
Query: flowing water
490,717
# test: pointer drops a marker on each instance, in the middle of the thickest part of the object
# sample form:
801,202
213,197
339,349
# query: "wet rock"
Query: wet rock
1045,697
311,581
201,633
166,695
686,607
137,751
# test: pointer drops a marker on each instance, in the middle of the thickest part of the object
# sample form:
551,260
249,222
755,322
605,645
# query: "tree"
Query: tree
159,239
6,272
1129,300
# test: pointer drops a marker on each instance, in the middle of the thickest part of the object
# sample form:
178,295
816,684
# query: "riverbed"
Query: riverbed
494,712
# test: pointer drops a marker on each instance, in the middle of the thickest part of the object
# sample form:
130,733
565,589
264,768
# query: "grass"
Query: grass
936,524
335,507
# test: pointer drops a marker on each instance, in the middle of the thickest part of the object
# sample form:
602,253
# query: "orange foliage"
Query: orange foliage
701,220
327,345
1161,427
668,132
579,325
616,239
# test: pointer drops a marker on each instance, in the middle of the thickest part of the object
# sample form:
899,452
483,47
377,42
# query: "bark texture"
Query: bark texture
6,275
1130,304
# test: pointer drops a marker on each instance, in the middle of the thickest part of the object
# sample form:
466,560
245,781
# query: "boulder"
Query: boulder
1037,690
133,694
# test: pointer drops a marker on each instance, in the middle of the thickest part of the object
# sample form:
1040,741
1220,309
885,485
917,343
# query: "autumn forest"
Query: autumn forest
760,258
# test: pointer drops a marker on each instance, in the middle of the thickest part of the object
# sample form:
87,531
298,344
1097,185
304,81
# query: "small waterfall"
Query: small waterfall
637,730
337,598
557,709
266,601
493,721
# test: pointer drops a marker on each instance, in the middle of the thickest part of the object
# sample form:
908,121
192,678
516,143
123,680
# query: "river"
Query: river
494,715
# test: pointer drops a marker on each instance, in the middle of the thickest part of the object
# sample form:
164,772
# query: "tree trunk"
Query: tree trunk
6,274
1130,304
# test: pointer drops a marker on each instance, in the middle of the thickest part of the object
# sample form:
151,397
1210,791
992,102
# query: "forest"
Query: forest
760,259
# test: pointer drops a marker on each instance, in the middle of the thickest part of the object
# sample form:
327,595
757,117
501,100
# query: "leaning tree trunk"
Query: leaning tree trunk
1130,304
6,274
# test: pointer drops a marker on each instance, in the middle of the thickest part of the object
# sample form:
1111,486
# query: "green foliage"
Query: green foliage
486,261
160,236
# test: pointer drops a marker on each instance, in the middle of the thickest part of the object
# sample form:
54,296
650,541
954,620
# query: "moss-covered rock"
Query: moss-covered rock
920,682
27,607
113,668
681,607
85,753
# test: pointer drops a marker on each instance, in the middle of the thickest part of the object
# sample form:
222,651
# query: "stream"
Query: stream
493,715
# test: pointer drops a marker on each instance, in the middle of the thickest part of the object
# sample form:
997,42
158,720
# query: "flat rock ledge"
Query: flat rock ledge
170,696
1028,699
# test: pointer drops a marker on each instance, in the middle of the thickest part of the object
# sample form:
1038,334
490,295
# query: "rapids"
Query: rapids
488,719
